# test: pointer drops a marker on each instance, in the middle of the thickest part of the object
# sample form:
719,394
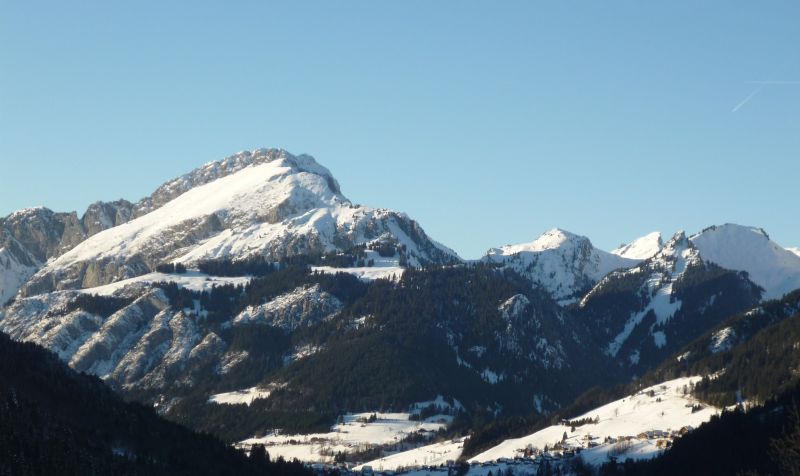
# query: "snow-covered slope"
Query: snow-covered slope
673,261
744,248
283,206
563,263
641,248
794,250
354,432
240,397
435,454
657,412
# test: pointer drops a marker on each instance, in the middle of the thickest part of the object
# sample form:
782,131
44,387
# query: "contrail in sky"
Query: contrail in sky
748,98
759,87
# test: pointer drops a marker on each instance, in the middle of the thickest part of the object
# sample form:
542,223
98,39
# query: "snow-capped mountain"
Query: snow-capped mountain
651,310
263,203
744,248
95,291
641,248
565,264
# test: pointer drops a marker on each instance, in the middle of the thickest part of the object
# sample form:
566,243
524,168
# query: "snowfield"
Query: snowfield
246,396
429,455
191,280
355,432
365,273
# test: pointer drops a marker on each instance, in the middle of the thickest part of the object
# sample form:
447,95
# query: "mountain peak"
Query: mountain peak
266,203
641,248
232,164
564,263
549,240
747,248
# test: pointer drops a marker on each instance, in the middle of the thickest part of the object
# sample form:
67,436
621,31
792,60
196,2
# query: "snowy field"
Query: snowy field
354,433
365,273
382,268
246,396
430,455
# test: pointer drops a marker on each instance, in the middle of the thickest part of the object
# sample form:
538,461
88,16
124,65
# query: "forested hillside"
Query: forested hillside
56,421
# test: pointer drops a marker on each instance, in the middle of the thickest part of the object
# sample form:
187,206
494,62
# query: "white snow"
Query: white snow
672,262
794,250
191,280
662,304
722,340
245,396
354,433
644,417
365,273
744,248
562,262
641,248
430,455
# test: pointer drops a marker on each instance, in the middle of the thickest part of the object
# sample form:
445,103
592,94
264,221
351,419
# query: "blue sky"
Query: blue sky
489,122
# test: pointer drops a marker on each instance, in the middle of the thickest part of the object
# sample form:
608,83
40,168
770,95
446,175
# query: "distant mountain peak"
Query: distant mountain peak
549,240
232,164
563,263
641,248
748,248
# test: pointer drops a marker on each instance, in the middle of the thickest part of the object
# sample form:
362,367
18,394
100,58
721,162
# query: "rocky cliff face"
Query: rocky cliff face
30,237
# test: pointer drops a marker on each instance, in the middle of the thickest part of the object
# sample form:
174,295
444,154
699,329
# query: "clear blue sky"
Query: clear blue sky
489,122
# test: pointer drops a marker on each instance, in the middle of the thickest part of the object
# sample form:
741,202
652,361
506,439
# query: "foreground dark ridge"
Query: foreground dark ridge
56,421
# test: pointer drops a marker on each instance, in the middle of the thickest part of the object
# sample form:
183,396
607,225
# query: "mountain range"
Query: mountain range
256,272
